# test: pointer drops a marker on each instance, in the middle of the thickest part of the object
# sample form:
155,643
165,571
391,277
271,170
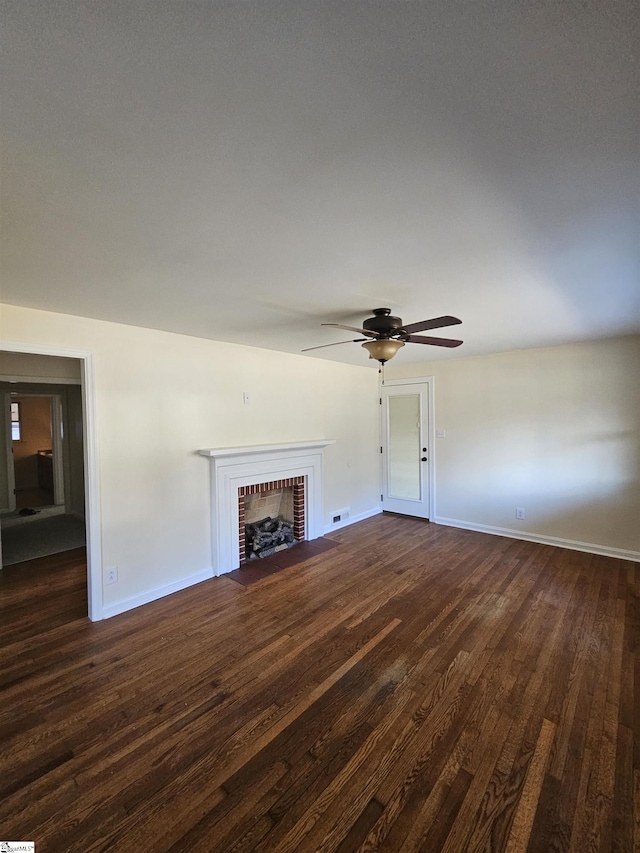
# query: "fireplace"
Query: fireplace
243,468
272,496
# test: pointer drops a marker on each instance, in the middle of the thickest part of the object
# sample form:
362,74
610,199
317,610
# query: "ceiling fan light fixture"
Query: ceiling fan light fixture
383,349
389,334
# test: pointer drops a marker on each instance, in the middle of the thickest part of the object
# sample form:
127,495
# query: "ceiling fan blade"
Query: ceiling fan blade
436,342
434,323
337,343
353,329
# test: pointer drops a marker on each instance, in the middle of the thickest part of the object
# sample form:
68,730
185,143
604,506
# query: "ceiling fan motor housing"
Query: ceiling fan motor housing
383,323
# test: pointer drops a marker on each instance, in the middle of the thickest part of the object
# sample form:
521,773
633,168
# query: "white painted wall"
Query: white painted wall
31,366
555,431
160,397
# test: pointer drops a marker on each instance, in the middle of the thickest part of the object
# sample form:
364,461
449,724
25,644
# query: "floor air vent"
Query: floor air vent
340,516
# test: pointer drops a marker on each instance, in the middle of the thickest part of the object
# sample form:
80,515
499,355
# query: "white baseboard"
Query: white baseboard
153,594
589,547
329,528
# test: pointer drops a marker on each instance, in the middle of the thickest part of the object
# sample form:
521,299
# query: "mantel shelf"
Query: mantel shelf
266,448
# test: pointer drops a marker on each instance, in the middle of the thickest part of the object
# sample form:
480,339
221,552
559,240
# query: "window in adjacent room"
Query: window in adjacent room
15,421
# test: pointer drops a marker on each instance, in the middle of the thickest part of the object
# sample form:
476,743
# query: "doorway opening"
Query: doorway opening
50,372
43,510
36,452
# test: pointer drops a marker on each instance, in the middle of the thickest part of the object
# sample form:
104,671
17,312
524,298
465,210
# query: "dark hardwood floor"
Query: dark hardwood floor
418,688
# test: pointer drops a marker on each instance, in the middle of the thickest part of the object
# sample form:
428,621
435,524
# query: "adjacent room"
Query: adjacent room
320,417
41,457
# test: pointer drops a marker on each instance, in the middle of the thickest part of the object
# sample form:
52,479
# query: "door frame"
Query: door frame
11,471
90,449
429,382
59,495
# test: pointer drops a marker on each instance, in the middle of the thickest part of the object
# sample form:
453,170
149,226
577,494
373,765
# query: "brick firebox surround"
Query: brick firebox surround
297,483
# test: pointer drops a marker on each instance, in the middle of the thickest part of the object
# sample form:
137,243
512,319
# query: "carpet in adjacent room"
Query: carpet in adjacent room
40,537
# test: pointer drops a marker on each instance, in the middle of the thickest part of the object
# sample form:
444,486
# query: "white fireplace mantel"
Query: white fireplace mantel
233,467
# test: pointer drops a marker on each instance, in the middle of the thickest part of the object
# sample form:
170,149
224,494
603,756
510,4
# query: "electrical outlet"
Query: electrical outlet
441,433
111,575
520,512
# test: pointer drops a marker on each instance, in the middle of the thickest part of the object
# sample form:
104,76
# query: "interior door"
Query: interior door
405,449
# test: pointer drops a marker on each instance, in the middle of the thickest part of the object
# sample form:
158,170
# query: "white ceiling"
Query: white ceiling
244,171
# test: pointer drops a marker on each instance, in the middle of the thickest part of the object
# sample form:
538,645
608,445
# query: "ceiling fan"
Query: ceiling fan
388,334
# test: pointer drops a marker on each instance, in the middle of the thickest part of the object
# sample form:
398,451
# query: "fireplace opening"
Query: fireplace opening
267,537
271,517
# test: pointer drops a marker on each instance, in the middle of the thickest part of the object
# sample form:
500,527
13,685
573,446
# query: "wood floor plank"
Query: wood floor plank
525,813
419,688
494,791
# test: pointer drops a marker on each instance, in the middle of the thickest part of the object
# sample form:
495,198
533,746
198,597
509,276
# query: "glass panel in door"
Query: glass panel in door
404,447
